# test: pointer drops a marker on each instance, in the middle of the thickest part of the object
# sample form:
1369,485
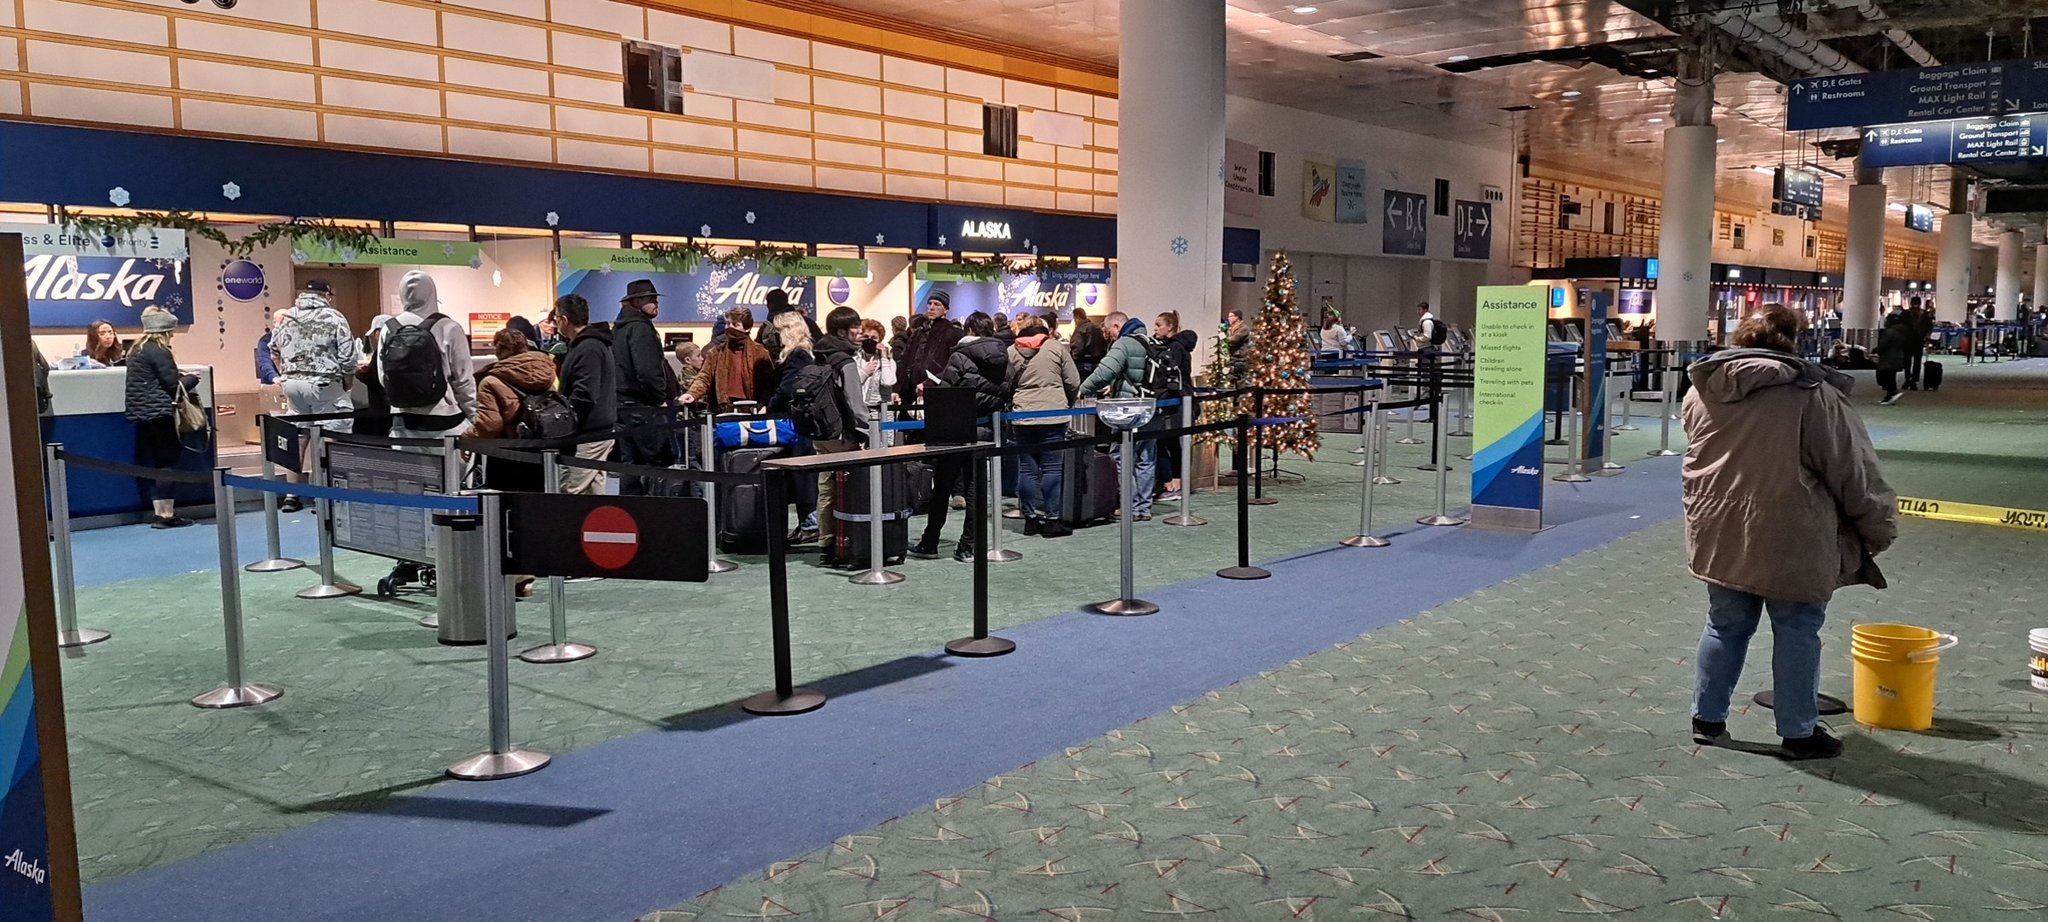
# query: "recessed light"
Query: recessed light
1304,10
1654,120
1301,41
1720,140
1264,31
1458,57
1571,94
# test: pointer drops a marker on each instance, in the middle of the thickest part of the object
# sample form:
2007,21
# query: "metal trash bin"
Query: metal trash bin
460,590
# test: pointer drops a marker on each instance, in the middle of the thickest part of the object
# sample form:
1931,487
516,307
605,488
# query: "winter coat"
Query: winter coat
503,389
927,353
1122,370
841,352
1182,345
590,380
1894,344
979,362
1783,496
785,389
730,374
637,352
1089,346
152,384
1042,377
420,299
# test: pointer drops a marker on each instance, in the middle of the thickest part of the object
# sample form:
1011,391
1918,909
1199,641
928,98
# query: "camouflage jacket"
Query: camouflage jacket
315,342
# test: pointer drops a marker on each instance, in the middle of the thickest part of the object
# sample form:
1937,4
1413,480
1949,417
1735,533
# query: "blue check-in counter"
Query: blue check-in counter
86,416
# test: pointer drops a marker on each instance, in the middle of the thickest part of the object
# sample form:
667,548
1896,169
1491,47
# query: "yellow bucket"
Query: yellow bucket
1895,666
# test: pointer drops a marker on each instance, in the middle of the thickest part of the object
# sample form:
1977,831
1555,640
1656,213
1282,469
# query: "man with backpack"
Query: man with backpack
826,405
423,364
590,381
1430,333
644,386
1136,365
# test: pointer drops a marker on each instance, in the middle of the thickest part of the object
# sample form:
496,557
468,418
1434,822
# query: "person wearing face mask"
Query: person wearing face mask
877,363
736,368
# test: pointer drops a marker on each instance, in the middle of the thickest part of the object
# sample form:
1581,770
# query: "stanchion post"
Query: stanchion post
1187,466
1244,568
878,572
1663,449
993,548
1258,459
1461,402
1628,395
69,634
707,450
502,760
786,699
1126,602
1379,453
274,560
237,693
1442,516
1414,384
1365,537
559,648
331,586
1575,425
980,644
1608,466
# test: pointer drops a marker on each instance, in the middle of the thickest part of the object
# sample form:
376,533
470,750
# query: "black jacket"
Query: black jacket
590,379
982,363
1895,344
636,350
152,391
1089,346
928,351
1182,345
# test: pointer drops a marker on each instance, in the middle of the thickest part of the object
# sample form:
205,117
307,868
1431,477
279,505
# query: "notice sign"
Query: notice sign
1510,346
619,537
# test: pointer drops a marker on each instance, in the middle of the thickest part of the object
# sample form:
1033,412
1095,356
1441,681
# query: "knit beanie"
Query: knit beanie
158,320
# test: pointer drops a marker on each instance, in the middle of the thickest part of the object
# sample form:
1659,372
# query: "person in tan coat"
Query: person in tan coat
501,389
1784,504
734,369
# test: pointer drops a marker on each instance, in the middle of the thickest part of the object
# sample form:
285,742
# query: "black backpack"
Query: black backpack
543,415
814,401
1438,332
413,371
1163,373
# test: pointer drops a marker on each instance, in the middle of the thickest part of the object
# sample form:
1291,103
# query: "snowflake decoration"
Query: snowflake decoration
175,301
562,264
118,196
476,261
750,217
298,257
704,231
942,240
605,269
448,250
348,255
230,191
1027,245
553,219
879,240
161,263
1180,246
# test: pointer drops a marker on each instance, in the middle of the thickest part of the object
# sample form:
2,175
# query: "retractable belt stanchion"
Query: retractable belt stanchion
1575,424
1663,449
1127,602
1442,485
1414,380
237,692
559,648
1187,467
708,455
1258,459
1608,466
980,644
1365,537
274,560
786,699
503,760
69,634
1628,396
878,572
1461,401
331,586
1379,454
993,546
1438,447
1244,568
449,598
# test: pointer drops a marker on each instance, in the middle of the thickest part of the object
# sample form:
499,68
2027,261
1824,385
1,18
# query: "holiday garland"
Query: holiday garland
325,232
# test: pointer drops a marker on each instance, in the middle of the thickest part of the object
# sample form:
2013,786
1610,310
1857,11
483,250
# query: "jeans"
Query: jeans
1732,616
1146,452
1039,473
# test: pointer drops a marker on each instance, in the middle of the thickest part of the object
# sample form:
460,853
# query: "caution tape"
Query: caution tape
1973,514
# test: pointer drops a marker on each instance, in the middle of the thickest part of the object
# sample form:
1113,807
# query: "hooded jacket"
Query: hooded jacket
636,350
980,362
1895,343
1042,377
1090,345
590,380
420,300
312,340
1123,368
1783,496
504,386
1183,344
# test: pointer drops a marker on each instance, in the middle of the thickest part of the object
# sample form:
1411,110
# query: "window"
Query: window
1812,247
654,77
1443,198
999,130
1266,164
1777,236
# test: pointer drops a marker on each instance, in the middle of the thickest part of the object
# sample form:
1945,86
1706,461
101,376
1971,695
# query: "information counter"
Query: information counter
86,407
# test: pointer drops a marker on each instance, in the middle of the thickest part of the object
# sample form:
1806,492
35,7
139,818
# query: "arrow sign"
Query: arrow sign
1474,234
1407,229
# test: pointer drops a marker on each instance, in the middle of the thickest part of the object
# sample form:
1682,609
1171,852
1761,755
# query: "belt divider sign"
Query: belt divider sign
620,537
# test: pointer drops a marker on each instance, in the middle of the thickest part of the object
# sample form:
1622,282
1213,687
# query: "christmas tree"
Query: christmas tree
1279,359
1220,375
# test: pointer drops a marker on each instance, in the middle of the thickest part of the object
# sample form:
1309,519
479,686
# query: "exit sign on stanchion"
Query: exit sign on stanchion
618,537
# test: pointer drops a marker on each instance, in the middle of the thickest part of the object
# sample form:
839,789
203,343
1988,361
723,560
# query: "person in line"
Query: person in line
930,349
1240,344
735,369
1784,504
1003,331
151,403
266,363
590,380
102,346
502,389
1088,343
1042,378
838,353
979,361
1894,354
1122,374
550,334
645,387
684,363
899,334
427,380
1181,345
769,336
798,353
317,355
1921,327
877,364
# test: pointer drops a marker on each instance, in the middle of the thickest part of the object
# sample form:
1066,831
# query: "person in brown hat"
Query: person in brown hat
645,385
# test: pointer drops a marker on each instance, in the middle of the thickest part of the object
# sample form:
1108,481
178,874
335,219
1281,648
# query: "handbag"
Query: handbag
191,416
764,433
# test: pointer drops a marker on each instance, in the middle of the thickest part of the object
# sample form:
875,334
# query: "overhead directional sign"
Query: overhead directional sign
1406,232
1920,218
1922,94
1796,186
2018,137
1472,230
645,538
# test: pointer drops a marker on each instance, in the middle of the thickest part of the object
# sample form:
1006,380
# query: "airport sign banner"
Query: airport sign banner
1510,349
1955,91
2012,137
1471,230
1406,232
389,251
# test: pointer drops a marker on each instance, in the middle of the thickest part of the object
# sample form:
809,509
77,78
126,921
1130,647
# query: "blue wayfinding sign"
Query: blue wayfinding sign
2014,137
1954,91
1472,230
1406,232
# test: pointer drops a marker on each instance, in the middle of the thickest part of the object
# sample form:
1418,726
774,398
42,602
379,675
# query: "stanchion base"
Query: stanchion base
1003,556
876,578
430,622
770,704
274,565
330,591
1409,441
1185,521
1459,434
1830,705
1626,429
1664,453
1572,478
1440,520
1556,442
492,766
84,636
567,651
237,696
1432,467
980,646
1244,573
1365,541
720,566
1127,607
1385,481
1261,501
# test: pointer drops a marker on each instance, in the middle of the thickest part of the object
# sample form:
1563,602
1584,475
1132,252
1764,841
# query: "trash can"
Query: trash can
461,583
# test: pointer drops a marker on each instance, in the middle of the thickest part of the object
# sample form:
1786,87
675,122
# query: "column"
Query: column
1863,273
1169,228
1952,275
1685,244
2005,297
2040,277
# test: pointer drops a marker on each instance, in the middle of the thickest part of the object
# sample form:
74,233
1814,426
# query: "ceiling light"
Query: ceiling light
1301,41
1766,170
1656,120
1720,140
1304,10
1571,94
1456,58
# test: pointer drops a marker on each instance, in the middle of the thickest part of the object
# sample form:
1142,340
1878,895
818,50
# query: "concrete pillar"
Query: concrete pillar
1863,272
1685,245
2040,276
1952,275
2005,297
1169,229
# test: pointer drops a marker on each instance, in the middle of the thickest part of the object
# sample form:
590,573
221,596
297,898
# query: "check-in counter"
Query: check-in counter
87,417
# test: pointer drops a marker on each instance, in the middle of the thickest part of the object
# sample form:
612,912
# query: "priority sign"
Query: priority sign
620,537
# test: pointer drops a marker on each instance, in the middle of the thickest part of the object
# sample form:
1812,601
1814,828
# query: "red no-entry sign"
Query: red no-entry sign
611,539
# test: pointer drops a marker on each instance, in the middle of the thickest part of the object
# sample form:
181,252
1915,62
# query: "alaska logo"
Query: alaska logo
1525,471
58,278
33,870
985,230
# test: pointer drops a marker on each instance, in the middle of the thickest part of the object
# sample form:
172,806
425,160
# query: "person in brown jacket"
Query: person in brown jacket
500,391
736,369
1784,504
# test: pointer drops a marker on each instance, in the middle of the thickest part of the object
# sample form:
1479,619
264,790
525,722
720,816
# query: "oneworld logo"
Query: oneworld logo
33,870
242,280
1525,471
985,230
58,278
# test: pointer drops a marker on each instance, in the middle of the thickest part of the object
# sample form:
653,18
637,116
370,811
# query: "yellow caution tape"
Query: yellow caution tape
1973,514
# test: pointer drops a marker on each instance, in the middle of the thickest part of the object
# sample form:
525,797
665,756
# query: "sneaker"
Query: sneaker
924,550
1170,496
964,552
1054,528
1033,525
1709,732
1142,517
169,521
803,536
1888,401
291,504
1818,746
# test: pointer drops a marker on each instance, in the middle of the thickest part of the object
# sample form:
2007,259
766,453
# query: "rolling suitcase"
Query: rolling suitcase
1088,494
742,523
851,513
1930,376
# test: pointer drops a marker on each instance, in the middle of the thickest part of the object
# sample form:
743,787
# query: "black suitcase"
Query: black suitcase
851,513
742,523
1930,375
1088,492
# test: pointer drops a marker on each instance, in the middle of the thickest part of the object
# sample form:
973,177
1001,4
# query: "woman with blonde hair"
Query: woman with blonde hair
792,333
153,387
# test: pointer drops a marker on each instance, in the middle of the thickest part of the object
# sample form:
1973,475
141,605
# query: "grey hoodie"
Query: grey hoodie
419,298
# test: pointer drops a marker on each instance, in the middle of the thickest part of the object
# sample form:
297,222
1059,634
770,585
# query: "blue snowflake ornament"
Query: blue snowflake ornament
230,191
118,196
704,231
298,257
554,220
1180,246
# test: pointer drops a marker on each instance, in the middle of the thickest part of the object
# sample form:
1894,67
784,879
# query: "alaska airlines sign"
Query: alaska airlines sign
998,231
955,227
74,291
700,296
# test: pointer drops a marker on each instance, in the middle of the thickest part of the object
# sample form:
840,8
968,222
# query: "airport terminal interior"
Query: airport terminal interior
1373,585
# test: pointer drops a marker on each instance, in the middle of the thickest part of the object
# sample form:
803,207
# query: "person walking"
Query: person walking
735,369
154,385
1122,374
589,378
1042,378
1922,316
1784,504
1894,354
423,363
979,362
645,387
